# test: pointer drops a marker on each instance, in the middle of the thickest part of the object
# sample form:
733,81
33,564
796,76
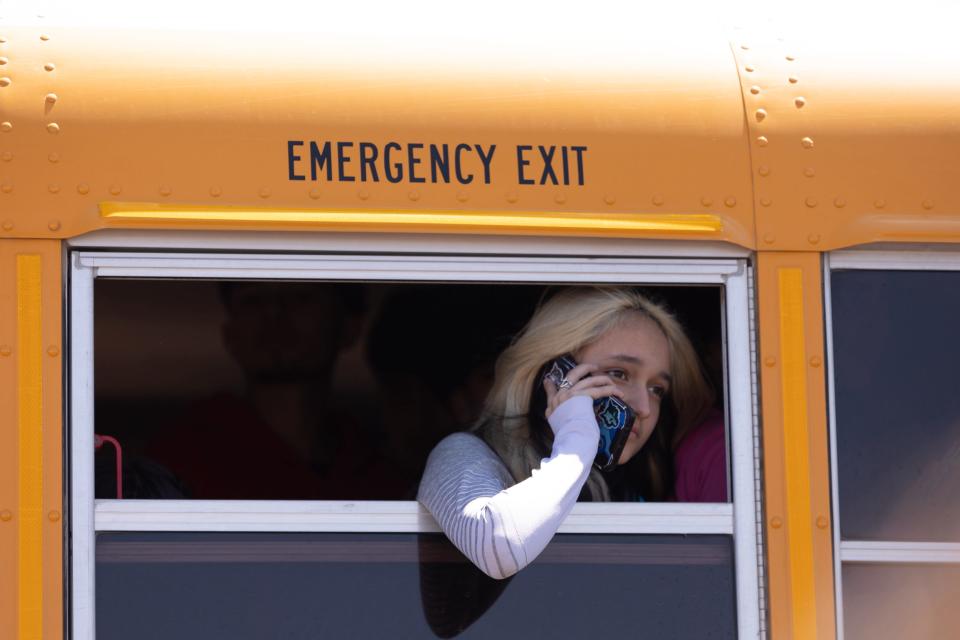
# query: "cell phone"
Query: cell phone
614,417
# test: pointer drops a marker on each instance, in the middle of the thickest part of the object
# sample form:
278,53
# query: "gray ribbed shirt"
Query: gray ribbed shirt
502,526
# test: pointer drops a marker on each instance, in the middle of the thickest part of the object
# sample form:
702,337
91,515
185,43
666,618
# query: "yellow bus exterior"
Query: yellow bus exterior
777,147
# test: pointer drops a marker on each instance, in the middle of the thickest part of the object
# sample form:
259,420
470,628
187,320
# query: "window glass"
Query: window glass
897,403
898,601
245,585
320,390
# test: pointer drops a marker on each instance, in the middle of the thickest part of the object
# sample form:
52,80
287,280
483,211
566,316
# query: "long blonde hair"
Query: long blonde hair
567,321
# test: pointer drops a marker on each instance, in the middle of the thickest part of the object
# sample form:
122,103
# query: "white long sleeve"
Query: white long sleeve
501,526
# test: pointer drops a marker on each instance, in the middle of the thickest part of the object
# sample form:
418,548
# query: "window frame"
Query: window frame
386,258
874,551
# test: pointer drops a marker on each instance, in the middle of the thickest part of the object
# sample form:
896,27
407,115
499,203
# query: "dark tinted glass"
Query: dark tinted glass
893,602
243,585
897,356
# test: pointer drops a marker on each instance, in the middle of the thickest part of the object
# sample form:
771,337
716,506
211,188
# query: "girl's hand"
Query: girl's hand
580,383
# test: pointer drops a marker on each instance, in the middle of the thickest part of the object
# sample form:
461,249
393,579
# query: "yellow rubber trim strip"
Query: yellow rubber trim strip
30,427
797,452
665,223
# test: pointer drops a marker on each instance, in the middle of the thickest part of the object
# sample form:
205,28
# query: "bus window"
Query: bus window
897,435
321,390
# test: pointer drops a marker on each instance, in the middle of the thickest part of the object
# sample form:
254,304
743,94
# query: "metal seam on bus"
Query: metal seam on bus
797,452
674,223
30,427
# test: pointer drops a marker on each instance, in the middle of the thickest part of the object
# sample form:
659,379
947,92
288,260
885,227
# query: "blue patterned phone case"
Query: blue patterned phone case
614,418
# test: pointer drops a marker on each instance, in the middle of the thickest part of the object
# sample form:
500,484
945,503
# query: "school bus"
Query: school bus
799,200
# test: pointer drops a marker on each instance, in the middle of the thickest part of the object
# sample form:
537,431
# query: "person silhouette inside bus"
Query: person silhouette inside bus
282,438
501,491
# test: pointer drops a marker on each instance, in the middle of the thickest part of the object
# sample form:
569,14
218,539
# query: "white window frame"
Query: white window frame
872,551
408,258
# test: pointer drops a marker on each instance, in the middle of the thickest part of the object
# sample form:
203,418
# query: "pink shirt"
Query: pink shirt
700,467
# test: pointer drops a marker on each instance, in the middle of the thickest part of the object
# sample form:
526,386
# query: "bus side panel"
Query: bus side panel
796,456
31,487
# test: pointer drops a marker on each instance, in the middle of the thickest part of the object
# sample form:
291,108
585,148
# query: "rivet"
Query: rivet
764,170
770,361
264,192
5,515
216,192
609,199
762,141
760,114
513,197
3,60
815,361
53,127
822,522
813,238
811,202
769,238
115,189
49,66
54,157
413,195
363,195
880,203
793,79
754,89
3,40
657,200
839,202
315,193
790,58
560,198
749,68
44,37
809,172
165,190
928,204
7,225
745,47
51,98
5,350
463,196
807,143
83,188
54,516
52,351
730,201
6,188
706,202
7,156
765,202
776,522
54,225
6,127
53,188
4,82
799,101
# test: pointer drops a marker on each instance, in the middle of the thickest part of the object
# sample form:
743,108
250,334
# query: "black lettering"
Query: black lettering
318,160
579,151
342,159
413,161
292,159
547,164
486,160
439,163
522,162
368,161
457,164
566,165
392,177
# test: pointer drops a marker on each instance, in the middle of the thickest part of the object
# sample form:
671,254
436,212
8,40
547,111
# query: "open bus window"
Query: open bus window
318,390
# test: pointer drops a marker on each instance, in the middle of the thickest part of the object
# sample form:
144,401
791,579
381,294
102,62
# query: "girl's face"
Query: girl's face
636,356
